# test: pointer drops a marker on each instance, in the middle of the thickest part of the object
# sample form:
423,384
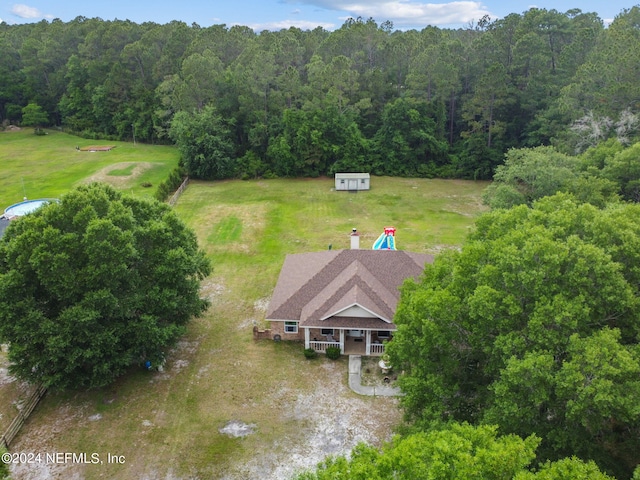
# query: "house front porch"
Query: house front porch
349,341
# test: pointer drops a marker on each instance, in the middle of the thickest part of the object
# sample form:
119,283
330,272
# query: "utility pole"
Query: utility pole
133,129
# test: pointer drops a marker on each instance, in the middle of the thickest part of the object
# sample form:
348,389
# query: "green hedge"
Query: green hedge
333,353
171,184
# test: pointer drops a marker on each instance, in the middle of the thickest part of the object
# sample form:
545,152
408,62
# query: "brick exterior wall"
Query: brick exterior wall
277,328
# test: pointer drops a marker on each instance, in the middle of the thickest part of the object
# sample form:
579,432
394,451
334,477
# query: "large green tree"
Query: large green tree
534,327
452,452
408,142
529,174
95,284
204,141
318,141
34,116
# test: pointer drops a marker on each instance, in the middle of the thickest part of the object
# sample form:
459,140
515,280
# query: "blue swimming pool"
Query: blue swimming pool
28,206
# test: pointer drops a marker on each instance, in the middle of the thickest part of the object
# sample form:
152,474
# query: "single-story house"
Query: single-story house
353,181
341,298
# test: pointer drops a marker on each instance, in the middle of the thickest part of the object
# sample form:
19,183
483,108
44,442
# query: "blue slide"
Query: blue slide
385,242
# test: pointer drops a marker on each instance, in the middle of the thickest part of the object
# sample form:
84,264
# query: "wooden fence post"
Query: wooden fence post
174,198
22,416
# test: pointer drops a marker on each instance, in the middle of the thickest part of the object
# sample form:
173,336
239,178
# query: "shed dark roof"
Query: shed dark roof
314,288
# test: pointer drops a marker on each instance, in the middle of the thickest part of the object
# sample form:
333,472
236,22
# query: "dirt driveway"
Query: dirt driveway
329,419
335,419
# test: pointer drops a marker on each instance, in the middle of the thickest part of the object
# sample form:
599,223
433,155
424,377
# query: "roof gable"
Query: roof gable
316,286
356,310
355,284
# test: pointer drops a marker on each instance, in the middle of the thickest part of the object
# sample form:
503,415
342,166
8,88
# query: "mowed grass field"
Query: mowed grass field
166,425
244,225
49,165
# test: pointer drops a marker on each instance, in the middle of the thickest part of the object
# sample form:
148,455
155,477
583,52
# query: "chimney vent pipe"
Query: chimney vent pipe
355,240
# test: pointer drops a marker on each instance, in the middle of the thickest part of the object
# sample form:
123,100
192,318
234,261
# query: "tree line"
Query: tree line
520,353
532,327
434,102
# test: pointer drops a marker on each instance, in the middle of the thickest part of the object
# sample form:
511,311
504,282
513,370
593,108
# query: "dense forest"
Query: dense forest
435,102
521,351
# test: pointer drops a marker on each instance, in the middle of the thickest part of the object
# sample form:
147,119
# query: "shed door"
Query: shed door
353,184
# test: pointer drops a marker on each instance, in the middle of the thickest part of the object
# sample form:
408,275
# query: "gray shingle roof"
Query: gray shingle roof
314,287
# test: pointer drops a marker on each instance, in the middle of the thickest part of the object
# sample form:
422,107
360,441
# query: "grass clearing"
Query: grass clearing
122,172
166,424
50,165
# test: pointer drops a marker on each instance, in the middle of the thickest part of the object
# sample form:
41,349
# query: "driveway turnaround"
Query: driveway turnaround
355,381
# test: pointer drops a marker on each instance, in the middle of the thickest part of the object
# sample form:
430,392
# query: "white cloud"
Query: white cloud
25,11
405,12
284,24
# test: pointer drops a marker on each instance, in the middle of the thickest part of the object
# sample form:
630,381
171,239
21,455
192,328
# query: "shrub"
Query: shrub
170,185
333,353
310,353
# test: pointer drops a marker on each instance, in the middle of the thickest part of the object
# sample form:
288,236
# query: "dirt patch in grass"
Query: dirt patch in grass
237,429
98,148
292,428
117,179
332,420
211,290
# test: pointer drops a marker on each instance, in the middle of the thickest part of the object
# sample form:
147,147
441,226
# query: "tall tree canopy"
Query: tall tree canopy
204,141
534,327
434,102
529,174
95,284
453,452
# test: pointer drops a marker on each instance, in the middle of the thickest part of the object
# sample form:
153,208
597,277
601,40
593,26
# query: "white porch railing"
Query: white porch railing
322,346
377,348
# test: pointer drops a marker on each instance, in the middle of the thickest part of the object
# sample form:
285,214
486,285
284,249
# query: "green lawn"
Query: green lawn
49,165
244,224
166,423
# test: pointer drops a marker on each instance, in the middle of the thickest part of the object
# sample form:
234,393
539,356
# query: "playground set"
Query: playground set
387,240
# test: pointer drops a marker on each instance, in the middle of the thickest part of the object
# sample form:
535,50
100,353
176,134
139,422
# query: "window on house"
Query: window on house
327,331
384,334
362,181
290,327
342,181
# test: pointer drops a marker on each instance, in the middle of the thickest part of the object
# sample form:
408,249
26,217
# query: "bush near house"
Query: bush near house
310,353
333,353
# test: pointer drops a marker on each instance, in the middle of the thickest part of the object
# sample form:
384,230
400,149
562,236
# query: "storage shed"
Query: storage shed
352,181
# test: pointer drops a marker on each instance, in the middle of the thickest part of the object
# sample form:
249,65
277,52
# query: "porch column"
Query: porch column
307,335
368,340
342,341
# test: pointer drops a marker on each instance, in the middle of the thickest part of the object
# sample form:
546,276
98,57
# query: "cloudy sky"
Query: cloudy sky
305,14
